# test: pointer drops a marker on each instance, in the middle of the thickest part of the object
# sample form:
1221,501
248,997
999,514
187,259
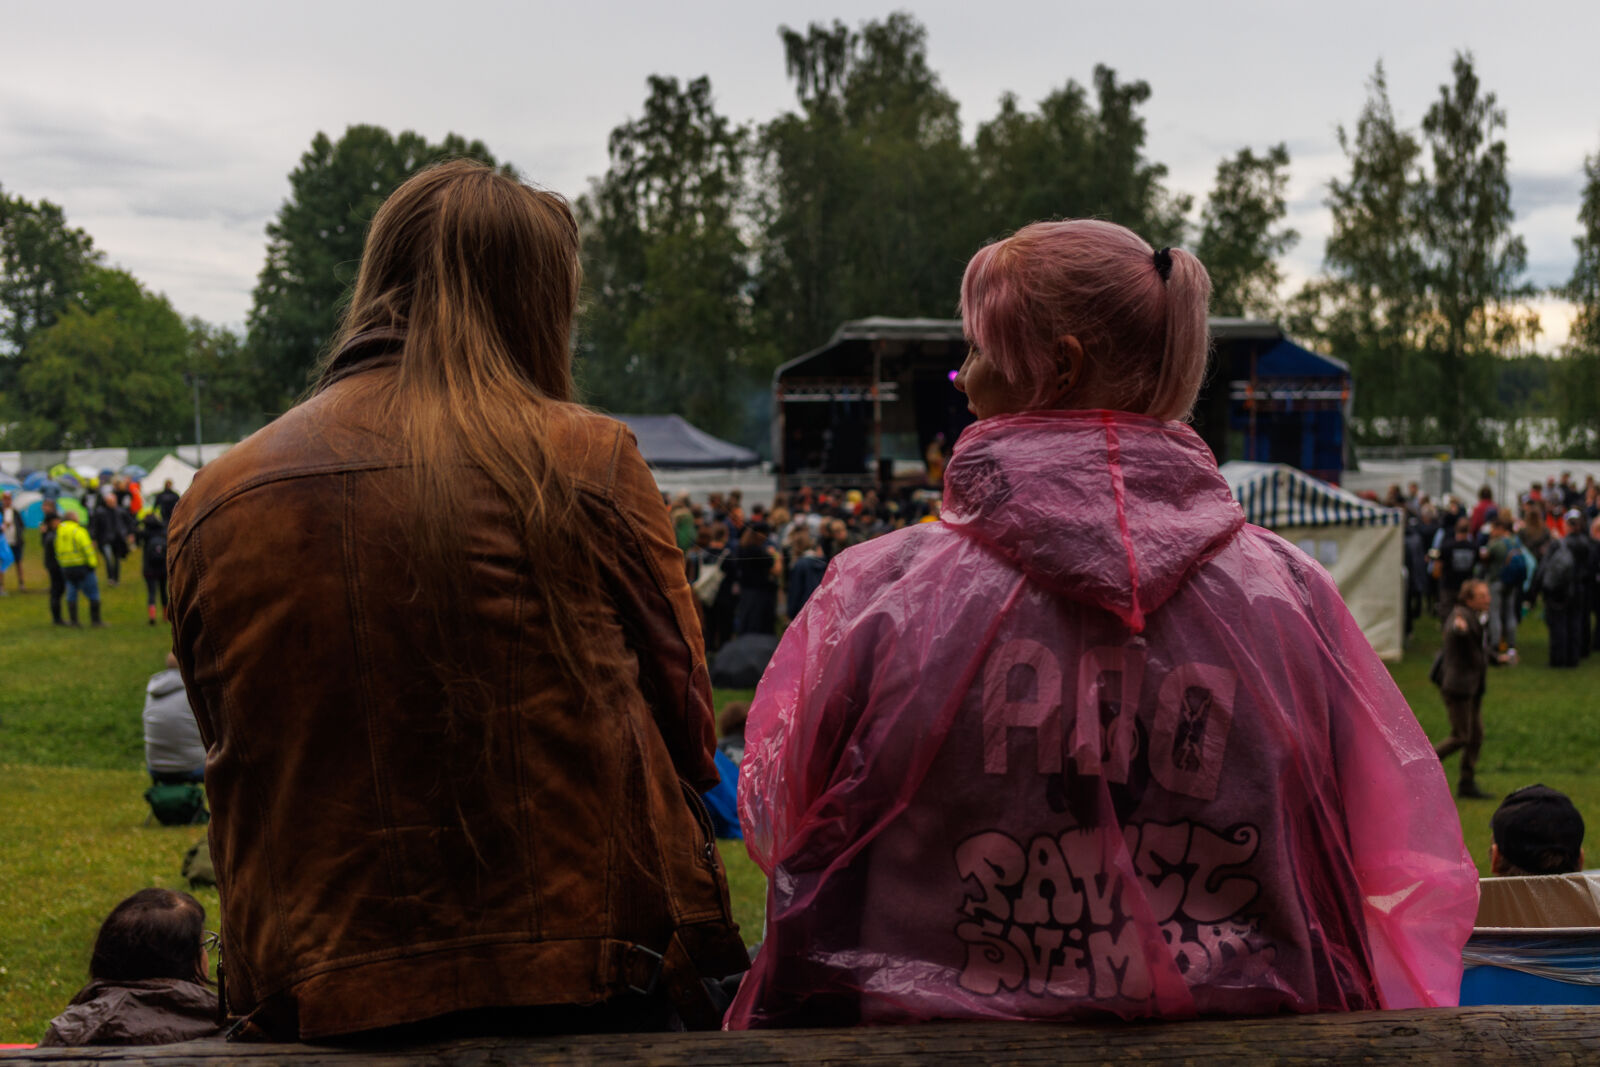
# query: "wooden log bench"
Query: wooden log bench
1494,1035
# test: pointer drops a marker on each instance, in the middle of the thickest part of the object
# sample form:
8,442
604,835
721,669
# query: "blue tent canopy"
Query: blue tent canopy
1288,360
670,441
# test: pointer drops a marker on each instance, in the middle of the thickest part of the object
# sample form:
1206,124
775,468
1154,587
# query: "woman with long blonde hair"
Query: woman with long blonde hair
439,641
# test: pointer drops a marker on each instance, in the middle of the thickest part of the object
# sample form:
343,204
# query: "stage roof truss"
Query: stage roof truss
820,391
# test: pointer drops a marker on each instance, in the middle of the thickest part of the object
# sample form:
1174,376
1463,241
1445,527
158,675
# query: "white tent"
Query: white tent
1360,543
171,467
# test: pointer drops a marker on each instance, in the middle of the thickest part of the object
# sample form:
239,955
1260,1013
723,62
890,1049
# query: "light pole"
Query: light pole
196,381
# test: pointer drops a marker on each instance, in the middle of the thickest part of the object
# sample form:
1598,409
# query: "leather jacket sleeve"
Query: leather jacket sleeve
660,620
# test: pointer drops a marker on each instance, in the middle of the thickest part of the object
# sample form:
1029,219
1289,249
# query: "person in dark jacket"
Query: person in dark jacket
719,613
1416,574
111,525
1593,583
1583,561
52,567
148,977
154,563
165,501
1458,557
1556,579
756,565
805,574
1464,664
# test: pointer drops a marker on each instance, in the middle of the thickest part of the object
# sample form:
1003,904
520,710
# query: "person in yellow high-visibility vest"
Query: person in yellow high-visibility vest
75,553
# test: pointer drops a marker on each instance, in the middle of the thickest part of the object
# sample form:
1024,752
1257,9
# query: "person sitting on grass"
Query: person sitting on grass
173,749
148,977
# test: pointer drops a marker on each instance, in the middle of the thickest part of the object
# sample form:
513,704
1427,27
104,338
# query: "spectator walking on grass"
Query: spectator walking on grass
48,533
111,526
76,554
1461,675
154,564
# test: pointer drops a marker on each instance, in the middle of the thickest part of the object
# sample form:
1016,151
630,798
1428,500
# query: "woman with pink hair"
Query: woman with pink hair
1091,745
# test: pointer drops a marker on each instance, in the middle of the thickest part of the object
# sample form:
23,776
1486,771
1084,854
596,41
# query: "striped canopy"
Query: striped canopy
1277,495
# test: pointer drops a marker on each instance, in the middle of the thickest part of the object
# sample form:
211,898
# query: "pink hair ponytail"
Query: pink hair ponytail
1183,362
1143,335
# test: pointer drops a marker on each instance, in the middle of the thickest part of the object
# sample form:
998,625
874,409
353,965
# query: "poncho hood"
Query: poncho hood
1102,507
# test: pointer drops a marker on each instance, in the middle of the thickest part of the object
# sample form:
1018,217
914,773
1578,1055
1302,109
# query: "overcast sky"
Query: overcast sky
168,130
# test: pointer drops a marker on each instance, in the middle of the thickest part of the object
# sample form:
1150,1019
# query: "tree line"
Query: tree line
714,250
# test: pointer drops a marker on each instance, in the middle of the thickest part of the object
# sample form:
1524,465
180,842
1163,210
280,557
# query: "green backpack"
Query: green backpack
178,803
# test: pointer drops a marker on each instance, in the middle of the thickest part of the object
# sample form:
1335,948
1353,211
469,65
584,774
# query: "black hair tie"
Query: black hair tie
1163,260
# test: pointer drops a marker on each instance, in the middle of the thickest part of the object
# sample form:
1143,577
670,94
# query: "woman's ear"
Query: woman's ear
1069,359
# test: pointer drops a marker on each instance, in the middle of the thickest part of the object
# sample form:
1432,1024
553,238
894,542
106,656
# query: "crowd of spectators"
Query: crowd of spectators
1542,548
769,560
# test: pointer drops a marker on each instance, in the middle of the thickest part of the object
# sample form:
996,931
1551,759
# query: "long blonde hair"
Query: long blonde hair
473,277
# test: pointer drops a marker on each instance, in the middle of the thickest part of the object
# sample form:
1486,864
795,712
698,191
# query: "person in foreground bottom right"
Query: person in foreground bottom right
1090,745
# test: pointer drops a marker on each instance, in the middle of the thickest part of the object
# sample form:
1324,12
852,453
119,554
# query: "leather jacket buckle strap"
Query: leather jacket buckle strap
672,976
649,987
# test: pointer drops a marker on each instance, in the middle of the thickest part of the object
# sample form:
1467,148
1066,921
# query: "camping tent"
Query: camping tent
670,441
171,467
1360,543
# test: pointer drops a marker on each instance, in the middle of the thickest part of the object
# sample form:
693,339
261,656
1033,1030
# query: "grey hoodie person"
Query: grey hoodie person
172,744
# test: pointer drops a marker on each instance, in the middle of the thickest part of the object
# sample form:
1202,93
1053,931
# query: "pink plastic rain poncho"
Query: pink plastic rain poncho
1091,745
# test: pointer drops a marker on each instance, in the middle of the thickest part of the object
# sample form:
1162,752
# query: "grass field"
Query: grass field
74,839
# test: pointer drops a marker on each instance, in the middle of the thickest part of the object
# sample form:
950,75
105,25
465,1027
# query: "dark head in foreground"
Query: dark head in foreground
1536,830
148,977
153,934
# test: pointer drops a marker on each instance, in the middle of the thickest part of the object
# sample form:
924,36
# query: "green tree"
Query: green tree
43,263
1369,307
1578,398
314,245
1074,159
667,321
108,371
1472,260
867,191
1241,236
230,386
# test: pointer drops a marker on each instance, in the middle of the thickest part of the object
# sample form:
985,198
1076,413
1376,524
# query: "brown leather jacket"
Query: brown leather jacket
381,862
